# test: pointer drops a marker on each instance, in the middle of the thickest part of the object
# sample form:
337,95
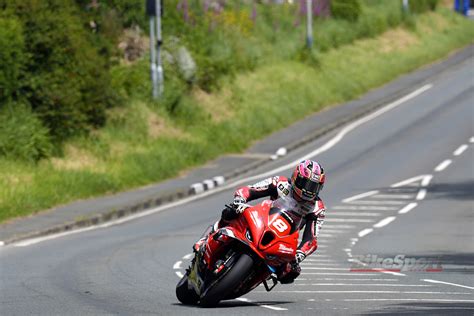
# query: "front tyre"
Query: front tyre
238,272
184,294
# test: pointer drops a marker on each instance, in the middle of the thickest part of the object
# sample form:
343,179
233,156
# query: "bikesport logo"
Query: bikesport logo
399,263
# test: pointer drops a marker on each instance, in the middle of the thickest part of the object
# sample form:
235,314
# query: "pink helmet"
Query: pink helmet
307,180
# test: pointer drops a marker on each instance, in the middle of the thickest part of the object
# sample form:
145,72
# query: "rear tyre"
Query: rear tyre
184,294
238,272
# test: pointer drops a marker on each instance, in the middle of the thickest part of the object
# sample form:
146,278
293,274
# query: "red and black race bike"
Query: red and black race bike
237,258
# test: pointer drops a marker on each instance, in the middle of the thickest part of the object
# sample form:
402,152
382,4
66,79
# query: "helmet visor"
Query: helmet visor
307,186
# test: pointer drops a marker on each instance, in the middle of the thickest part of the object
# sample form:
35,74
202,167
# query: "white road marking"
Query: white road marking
379,292
348,220
471,140
411,299
339,226
364,208
355,274
328,145
360,196
364,232
179,274
378,202
2,243
421,194
385,222
394,196
363,284
276,308
354,214
345,279
448,283
408,208
177,265
443,165
460,150
326,268
324,264
188,256
425,180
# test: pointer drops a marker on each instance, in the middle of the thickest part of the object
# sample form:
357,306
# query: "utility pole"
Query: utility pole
154,10
309,24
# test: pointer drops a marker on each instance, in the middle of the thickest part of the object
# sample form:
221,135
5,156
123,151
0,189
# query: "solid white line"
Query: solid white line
355,274
177,265
381,292
394,196
363,284
408,208
359,196
443,165
460,150
410,299
378,202
328,145
348,220
448,283
385,221
179,274
364,208
354,214
326,268
421,194
364,232
345,279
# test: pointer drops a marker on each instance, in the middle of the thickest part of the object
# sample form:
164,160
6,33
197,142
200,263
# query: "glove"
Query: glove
239,204
300,256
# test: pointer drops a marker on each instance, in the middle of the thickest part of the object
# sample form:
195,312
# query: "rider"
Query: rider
304,187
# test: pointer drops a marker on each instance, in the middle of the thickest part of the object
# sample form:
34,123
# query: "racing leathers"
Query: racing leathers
310,215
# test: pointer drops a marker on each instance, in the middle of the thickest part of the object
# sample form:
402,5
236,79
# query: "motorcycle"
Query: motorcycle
237,258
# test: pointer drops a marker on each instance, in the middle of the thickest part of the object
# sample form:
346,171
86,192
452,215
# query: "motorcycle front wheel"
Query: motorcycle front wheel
184,294
238,272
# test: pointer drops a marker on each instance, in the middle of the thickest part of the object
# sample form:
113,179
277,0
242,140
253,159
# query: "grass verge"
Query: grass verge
142,144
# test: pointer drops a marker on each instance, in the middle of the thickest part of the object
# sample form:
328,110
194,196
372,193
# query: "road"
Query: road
400,183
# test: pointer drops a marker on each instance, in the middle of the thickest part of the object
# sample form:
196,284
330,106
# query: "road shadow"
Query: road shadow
452,191
236,303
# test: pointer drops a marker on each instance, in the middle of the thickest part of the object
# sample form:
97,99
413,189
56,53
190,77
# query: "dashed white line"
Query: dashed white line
346,279
364,208
385,222
421,194
471,140
364,232
408,208
188,256
177,265
448,283
360,196
443,165
460,150
179,274
378,202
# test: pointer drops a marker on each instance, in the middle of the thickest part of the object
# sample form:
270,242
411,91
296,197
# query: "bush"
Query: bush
346,9
22,135
67,81
420,6
12,58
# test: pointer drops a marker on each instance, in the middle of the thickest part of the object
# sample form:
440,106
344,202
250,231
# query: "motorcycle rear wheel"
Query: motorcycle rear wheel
238,272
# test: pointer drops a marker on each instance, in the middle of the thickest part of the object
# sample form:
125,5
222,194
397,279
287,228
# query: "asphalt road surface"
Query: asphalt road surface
400,188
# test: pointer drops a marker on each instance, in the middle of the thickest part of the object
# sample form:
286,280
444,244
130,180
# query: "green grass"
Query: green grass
144,143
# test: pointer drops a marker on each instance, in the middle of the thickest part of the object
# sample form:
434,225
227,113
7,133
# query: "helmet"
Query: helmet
307,180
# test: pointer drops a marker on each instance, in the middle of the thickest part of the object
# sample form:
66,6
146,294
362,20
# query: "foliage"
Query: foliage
346,9
22,135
